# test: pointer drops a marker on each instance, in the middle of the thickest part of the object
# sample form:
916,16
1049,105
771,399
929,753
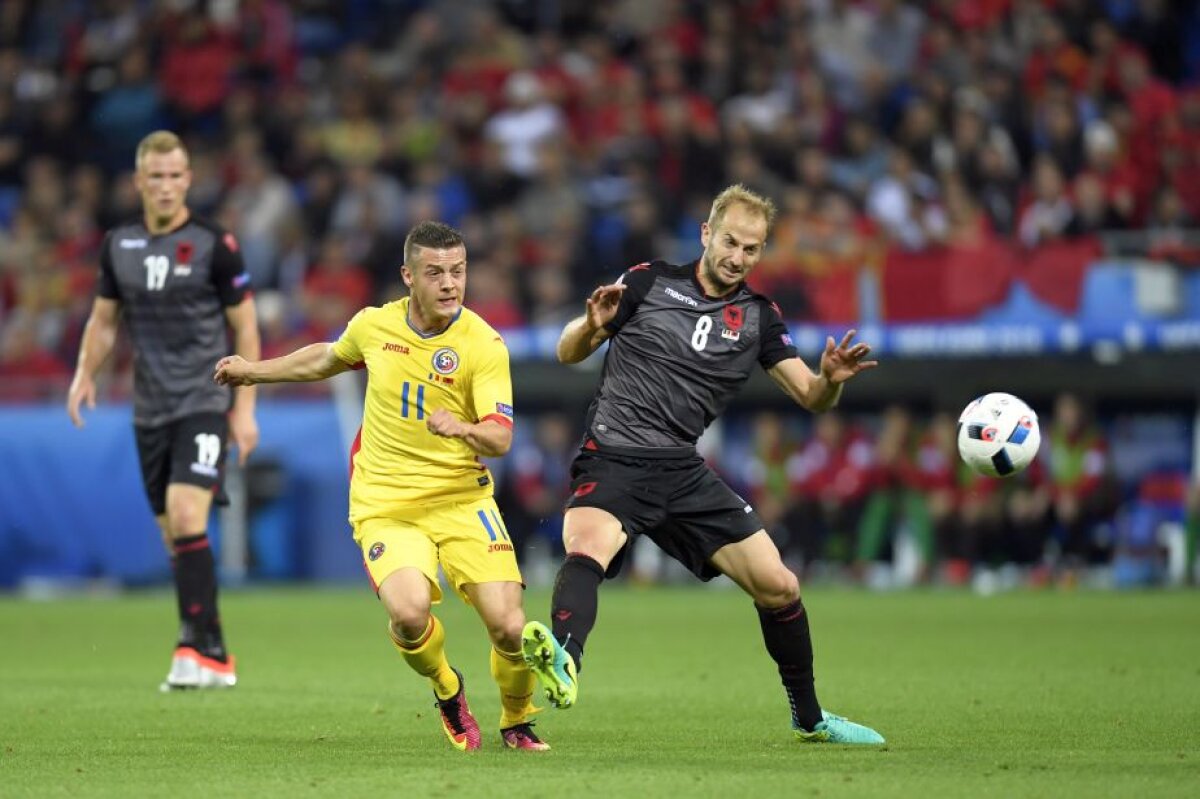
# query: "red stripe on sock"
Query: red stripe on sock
192,547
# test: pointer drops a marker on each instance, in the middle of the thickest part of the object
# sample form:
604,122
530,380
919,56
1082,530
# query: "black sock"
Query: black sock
573,608
196,591
785,631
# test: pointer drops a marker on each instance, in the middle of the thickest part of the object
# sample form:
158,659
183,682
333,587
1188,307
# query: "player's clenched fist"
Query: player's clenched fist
443,423
233,370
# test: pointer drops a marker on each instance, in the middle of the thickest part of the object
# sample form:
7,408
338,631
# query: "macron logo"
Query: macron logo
673,294
133,244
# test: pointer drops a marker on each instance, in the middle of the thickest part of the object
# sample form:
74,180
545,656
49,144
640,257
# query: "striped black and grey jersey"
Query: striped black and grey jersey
173,290
676,358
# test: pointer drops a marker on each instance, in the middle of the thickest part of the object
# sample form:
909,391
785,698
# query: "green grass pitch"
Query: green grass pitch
1052,694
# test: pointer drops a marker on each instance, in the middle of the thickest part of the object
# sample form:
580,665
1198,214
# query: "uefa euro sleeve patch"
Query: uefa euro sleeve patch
504,410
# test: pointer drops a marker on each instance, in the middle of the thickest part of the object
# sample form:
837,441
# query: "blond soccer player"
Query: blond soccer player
439,396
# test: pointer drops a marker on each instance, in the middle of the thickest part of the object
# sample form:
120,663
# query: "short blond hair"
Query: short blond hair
160,141
737,194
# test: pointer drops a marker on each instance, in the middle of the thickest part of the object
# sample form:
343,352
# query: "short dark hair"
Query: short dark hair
433,235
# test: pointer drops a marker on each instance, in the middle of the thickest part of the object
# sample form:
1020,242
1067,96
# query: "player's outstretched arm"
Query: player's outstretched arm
99,335
820,392
307,364
583,335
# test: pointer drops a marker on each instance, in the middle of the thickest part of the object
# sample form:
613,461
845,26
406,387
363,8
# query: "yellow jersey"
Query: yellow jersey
396,462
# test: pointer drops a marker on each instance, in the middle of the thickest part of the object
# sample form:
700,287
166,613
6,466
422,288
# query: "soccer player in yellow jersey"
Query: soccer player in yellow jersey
439,395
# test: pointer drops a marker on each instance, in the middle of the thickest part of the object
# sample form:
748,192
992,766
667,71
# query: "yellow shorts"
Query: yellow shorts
468,539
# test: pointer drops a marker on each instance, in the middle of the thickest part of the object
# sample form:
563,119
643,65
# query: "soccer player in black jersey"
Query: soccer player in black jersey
683,340
180,285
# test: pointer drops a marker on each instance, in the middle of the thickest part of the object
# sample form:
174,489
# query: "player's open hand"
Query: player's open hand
602,305
445,424
243,432
842,361
233,370
83,389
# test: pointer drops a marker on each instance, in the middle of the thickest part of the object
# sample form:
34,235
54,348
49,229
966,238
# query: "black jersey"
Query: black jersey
677,357
174,289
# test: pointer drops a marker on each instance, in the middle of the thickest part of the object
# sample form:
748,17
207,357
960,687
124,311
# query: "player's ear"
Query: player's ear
705,234
406,275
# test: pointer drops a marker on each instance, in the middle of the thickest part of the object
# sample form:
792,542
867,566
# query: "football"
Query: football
998,435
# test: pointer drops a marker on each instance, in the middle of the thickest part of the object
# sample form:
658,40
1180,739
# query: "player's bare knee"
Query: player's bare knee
410,620
183,522
778,588
507,639
505,631
598,544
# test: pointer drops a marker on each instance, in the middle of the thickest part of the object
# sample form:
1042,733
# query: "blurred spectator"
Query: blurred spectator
1081,483
552,298
537,483
1119,180
967,227
12,144
492,293
29,371
1058,137
1053,55
554,198
1093,213
1158,26
762,106
895,35
891,508
196,71
127,112
334,288
354,136
863,160
107,29
1027,519
830,476
367,194
764,473
262,203
526,123
904,202
1051,214
266,41
995,182
1168,216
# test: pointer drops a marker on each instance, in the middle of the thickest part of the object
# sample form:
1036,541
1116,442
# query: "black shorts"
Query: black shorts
680,504
189,450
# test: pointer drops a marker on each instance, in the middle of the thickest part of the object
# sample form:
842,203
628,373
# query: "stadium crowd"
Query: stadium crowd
569,140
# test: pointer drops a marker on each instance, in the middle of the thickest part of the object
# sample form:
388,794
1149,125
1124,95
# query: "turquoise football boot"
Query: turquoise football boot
834,729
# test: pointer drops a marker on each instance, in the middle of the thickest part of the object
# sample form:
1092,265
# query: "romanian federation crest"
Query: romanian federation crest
375,551
445,361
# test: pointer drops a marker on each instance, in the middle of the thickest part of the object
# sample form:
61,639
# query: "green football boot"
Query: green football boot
551,664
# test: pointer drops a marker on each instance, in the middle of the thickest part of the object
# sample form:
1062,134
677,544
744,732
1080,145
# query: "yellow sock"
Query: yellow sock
516,683
427,657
